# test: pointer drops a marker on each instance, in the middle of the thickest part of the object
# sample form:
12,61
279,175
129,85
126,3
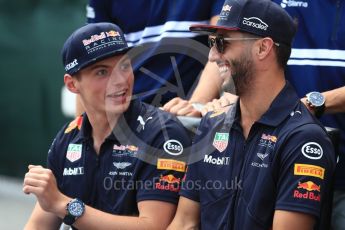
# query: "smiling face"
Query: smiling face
235,63
106,86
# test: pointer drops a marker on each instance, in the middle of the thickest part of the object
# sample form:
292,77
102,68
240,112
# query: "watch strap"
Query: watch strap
319,111
69,219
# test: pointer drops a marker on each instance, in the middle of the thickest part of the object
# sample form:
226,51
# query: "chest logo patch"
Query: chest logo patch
220,141
262,156
121,165
74,152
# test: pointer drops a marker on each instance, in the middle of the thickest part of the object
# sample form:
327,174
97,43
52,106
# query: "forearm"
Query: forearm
187,216
41,219
152,215
177,225
335,100
94,219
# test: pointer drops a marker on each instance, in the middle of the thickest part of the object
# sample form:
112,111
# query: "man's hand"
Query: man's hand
308,105
221,104
41,182
181,107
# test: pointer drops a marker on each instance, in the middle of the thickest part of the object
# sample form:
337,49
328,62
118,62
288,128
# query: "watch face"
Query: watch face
76,208
316,99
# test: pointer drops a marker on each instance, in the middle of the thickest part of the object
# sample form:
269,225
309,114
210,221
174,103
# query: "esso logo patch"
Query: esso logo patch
173,147
312,150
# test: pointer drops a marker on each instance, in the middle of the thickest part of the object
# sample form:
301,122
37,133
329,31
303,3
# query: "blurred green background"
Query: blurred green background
32,33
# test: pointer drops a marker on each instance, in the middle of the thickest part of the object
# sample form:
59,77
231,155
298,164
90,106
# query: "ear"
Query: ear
70,83
264,48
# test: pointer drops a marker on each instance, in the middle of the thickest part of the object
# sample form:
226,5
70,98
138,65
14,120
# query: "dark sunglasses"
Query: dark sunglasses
219,41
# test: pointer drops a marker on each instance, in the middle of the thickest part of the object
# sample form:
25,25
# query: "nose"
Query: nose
117,77
214,55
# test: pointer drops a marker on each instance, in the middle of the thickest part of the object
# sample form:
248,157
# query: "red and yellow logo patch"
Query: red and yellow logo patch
309,170
76,123
169,164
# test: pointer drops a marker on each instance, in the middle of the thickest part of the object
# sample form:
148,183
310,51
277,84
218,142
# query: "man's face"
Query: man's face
235,63
107,85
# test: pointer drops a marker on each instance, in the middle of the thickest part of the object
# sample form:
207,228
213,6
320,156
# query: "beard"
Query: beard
241,74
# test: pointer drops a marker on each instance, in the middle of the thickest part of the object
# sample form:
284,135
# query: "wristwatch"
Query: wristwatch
75,209
316,101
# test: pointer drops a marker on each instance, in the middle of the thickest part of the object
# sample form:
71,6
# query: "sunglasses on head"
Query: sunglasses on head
219,42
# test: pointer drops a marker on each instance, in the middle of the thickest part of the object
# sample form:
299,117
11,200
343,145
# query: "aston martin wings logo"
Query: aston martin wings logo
121,165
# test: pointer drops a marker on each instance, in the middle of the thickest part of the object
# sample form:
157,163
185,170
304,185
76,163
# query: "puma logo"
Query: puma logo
142,121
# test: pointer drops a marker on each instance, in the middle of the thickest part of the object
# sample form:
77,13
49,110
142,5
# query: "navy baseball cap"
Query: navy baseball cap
260,17
91,43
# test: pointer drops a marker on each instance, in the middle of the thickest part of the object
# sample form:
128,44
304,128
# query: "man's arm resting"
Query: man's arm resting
287,220
335,100
208,88
41,182
41,219
187,215
153,215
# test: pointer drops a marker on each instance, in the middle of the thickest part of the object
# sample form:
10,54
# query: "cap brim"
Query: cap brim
102,57
209,29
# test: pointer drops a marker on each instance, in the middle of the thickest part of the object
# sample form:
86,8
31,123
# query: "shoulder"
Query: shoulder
66,134
304,134
153,124
161,118
302,122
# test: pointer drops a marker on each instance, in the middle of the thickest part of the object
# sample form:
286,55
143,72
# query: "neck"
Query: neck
102,126
258,97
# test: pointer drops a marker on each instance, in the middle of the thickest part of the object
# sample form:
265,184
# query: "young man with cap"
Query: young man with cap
267,163
113,167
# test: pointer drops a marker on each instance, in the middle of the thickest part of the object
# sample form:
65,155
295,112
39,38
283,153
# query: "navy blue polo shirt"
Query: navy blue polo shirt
171,57
317,63
286,163
142,159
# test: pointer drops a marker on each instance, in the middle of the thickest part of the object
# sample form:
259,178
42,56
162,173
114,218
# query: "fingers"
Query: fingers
28,189
181,107
37,176
167,107
213,105
34,166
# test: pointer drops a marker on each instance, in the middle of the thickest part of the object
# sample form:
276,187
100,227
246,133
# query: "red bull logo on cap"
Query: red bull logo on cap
112,33
103,35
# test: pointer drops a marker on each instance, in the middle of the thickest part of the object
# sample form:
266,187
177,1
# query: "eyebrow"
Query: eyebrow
96,66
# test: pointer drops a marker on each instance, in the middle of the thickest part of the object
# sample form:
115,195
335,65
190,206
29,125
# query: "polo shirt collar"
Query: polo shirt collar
281,107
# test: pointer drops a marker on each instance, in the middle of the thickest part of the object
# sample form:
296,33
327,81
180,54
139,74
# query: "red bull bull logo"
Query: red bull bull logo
112,33
168,182
269,137
311,191
309,186
169,179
